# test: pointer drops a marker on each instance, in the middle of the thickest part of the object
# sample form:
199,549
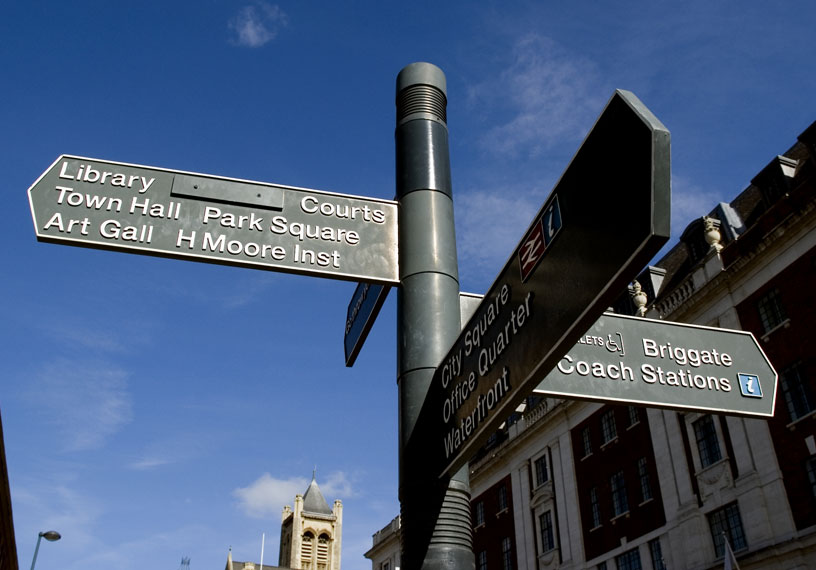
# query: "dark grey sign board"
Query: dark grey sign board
668,365
365,305
607,216
155,211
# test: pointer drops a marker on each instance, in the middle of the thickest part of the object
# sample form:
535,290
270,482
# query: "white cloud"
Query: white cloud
486,239
689,202
257,24
267,495
87,402
548,95
147,463
175,447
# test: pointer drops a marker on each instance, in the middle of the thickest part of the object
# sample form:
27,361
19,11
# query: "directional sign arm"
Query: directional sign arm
156,211
607,216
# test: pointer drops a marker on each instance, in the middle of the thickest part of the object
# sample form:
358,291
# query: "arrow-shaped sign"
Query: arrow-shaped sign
606,218
155,211
668,365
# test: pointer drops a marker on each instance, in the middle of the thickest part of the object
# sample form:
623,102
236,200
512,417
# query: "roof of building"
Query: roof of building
781,191
313,501
237,565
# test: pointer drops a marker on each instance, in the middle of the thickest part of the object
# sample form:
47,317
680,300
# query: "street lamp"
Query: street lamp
49,535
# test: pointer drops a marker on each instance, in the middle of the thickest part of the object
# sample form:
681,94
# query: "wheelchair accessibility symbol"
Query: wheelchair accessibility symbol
749,385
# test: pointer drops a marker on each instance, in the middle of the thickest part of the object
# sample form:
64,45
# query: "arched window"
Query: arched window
323,548
307,546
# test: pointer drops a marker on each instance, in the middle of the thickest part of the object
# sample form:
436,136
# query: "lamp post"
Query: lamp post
49,535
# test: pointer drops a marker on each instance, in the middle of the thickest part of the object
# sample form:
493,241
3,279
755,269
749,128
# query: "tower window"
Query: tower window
307,546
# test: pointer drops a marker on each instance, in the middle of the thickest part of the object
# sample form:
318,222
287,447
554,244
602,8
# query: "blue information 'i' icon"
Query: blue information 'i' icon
749,385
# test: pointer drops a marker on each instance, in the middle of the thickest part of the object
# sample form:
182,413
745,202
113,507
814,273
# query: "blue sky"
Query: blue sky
159,409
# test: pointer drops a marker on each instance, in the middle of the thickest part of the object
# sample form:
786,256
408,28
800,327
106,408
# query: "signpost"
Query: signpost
668,365
155,211
605,219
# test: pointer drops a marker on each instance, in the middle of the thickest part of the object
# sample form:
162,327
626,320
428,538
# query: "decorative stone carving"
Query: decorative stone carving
639,298
714,478
712,233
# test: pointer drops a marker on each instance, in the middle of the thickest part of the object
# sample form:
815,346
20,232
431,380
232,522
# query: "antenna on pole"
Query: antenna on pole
263,538
185,563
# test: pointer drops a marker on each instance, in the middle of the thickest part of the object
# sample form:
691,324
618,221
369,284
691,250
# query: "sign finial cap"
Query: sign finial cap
422,73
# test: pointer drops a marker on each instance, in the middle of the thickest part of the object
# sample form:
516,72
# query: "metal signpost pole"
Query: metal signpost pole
436,531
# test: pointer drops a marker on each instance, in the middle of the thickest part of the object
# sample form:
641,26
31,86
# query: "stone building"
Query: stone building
311,535
570,484
385,550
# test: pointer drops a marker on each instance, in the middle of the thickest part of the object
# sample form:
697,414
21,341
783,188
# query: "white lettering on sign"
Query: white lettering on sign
68,196
57,222
618,371
469,400
454,439
112,229
675,366
87,173
312,205
229,220
473,337
682,356
121,206
281,226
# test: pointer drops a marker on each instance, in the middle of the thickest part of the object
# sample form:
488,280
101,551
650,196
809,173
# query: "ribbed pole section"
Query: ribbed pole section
436,528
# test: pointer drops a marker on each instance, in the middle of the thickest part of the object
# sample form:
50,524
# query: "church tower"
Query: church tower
311,533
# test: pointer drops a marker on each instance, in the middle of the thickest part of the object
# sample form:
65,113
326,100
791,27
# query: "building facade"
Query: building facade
600,486
570,484
385,550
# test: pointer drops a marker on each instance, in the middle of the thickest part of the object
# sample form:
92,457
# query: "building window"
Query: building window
507,554
725,523
481,560
542,474
478,514
645,485
629,560
323,548
385,565
656,553
306,546
620,504
547,534
608,429
707,443
798,396
587,441
596,507
770,310
634,415
810,467
602,566
502,498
